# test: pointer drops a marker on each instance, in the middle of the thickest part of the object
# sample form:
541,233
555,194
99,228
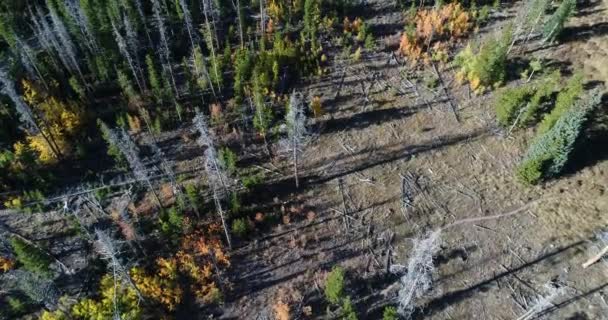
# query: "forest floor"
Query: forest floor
457,165
493,269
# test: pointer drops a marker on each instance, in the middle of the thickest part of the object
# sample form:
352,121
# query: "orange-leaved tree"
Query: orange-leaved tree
202,258
437,25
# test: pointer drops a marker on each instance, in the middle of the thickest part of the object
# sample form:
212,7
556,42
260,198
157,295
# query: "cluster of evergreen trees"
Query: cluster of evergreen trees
160,58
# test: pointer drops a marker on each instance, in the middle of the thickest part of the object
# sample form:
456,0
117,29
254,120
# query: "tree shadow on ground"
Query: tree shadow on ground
267,280
571,300
383,30
457,296
583,33
387,154
367,118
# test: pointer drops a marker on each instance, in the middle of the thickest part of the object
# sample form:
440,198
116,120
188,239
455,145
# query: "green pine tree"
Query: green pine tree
565,100
555,24
32,258
549,152
154,78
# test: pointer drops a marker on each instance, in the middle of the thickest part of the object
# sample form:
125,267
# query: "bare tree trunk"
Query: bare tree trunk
156,197
218,206
595,258
211,45
262,25
240,18
446,92
295,166
50,140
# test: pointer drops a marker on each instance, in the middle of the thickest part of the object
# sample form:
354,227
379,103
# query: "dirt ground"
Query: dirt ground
494,269
350,212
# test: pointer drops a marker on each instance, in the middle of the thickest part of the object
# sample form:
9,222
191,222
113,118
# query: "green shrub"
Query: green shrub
510,102
483,15
565,100
555,24
154,79
16,306
250,181
120,161
543,90
77,87
193,195
172,223
243,66
235,203
334,287
390,313
348,310
228,159
531,172
240,227
549,152
125,84
525,101
486,67
32,258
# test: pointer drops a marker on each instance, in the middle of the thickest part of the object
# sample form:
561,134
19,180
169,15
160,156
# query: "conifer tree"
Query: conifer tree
487,66
564,101
154,79
549,152
311,20
263,116
555,24
31,257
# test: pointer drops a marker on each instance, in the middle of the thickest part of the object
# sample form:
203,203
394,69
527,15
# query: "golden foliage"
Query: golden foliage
285,297
281,311
410,47
162,287
198,256
134,124
352,26
127,300
276,10
437,25
13,203
259,217
60,121
270,26
6,264
216,111
316,106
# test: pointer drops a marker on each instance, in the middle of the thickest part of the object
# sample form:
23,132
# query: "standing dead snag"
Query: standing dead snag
218,178
167,170
109,249
418,279
122,140
297,133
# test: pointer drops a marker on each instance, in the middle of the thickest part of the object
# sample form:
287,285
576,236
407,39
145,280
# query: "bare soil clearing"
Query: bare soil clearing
488,270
